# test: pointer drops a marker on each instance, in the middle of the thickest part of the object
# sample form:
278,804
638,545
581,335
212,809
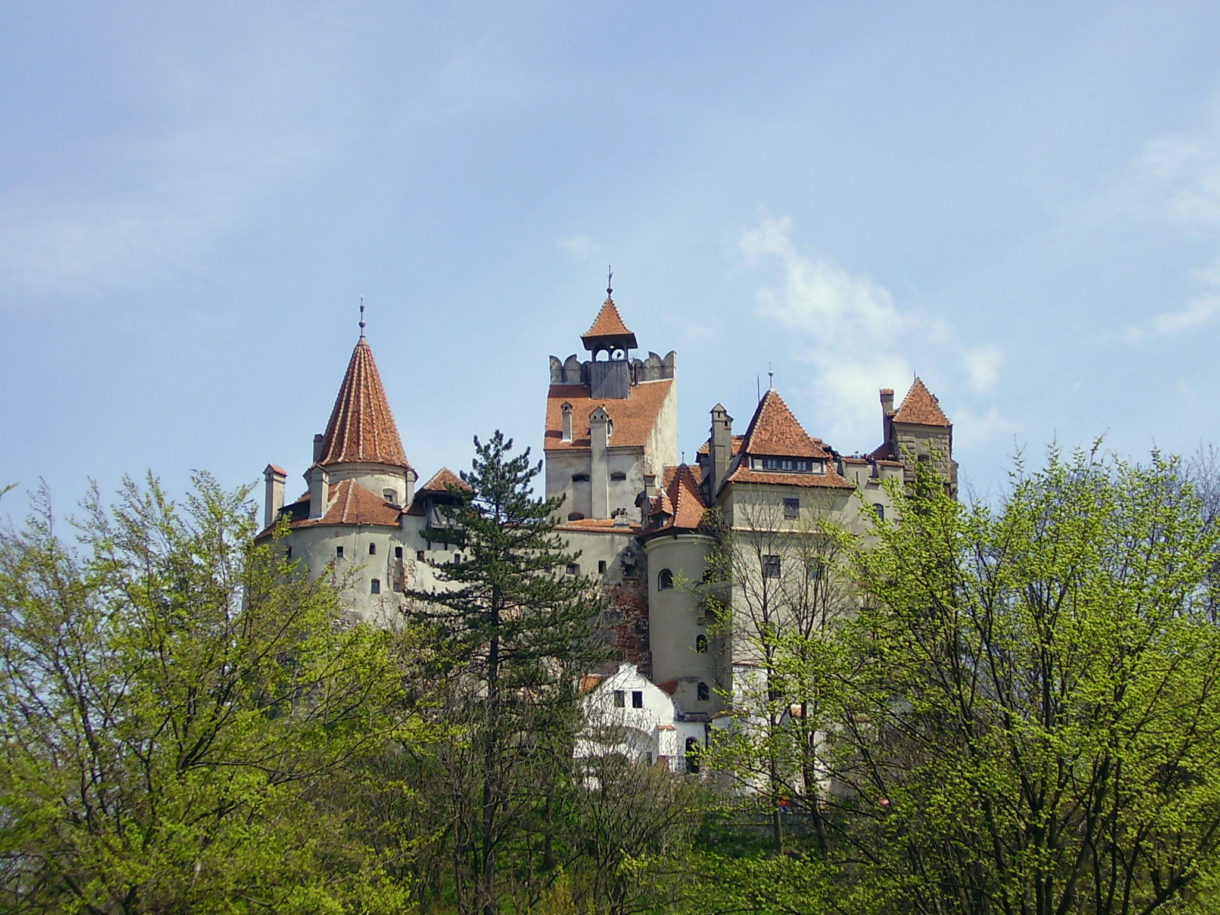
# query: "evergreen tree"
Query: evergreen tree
513,629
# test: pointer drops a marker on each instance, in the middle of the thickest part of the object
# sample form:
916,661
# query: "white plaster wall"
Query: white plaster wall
675,618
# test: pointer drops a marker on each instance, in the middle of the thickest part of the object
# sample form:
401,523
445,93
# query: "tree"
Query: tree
1036,719
779,589
170,696
516,629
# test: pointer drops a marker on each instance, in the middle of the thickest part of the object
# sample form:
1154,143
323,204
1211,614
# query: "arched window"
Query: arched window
880,511
701,643
372,549
665,580
692,754
704,692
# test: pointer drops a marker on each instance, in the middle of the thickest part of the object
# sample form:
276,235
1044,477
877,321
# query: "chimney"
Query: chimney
319,491
599,465
887,415
317,447
273,499
567,422
720,448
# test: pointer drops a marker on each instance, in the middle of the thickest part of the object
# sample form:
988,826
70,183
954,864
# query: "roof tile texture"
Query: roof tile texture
361,427
633,419
921,407
775,431
608,323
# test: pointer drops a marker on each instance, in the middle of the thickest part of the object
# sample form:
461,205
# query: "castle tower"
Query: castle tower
918,430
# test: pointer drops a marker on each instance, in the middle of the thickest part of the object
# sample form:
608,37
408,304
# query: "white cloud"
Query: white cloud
982,366
579,246
1199,311
856,338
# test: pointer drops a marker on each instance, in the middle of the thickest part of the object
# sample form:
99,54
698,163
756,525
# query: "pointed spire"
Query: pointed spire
921,407
608,330
361,427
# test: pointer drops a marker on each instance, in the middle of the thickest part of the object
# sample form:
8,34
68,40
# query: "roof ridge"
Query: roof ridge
609,328
921,407
774,429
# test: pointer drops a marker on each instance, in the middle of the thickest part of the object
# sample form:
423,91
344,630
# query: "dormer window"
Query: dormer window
787,464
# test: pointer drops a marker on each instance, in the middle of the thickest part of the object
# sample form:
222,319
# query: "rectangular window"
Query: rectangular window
573,568
637,698
419,554
816,568
620,698
792,508
770,566
372,549
375,586
398,552
338,552
601,567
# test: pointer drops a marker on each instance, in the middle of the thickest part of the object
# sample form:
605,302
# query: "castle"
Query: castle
637,515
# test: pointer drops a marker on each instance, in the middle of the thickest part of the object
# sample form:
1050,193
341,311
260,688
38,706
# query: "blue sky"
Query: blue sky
1019,202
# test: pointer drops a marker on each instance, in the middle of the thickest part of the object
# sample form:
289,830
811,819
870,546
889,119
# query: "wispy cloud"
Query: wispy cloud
579,246
1198,312
856,337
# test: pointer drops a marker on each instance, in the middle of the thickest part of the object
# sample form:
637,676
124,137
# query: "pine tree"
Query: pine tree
517,629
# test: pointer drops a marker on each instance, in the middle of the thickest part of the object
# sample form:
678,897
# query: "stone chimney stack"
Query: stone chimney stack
273,500
317,447
567,422
599,469
720,448
319,491
887,415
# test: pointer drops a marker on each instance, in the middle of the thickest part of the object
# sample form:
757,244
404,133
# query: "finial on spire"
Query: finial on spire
609,282
362,316
770,378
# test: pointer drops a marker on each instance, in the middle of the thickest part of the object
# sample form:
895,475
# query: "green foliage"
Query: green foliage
512,631
1036,716
170,695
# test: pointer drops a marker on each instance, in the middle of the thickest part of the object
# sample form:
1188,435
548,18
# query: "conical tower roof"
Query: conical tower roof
608,330
361,428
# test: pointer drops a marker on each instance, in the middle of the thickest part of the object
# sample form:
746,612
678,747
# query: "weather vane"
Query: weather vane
609,281
362,316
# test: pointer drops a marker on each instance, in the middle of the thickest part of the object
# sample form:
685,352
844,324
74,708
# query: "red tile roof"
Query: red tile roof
680,499
921,407
828,480
608,329
361,427
442,480
350,503
633,419
775,431
602,525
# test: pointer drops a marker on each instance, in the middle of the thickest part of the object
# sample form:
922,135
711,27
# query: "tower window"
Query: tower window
704,692
618,476
398,552
770,566
375,586
601,567
692,755
580,478
338,552
573,568
665,580
792,508
879,510
372,549
288,553
701,643
620,699
816,570
637,698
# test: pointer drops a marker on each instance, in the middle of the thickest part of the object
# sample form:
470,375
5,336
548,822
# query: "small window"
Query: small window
879,510
637,698
620,699
576,516
398,552
375,586
372,549
704,692
692,755
601,567
816,570
338,552
665,580
580,478
701,643
792,508
573,568
288,553
618,476
390,496
770,565
419,554
457,559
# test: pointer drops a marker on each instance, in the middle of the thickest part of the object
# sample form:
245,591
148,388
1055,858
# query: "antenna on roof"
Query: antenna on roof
362,316
770,378
609,281
757,387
